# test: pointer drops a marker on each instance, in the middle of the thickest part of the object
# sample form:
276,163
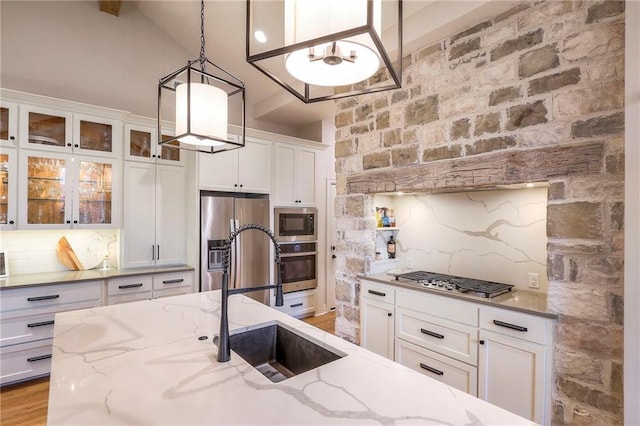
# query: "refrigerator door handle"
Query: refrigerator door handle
236,261
233,225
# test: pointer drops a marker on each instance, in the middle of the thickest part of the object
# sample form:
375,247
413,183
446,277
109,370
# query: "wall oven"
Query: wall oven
295,224
298,267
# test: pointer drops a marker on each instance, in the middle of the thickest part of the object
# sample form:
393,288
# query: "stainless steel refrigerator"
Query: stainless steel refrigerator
220,213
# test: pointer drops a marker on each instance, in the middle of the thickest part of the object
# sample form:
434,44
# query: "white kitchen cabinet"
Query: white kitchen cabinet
376,318
154,215
26,324
63,131
149,286
141,144
295,177
514,363
246,169
8,188
58,191
299,304
8,124
454,373
173,284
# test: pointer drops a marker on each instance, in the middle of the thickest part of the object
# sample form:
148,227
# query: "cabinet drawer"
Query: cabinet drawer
440,306
120,286
172,291
131,297
26,329
518,325
298,304
373,290
174,279
444,369
25,361
50,298
446,337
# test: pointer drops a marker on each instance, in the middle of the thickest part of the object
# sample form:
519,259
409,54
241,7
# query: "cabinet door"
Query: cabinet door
218,172
8,124
45,190
376,319
96,193
306,176
511,375
254,167
168,153
8,188
171,228
94,135
284,174
138,239
140,142
44,128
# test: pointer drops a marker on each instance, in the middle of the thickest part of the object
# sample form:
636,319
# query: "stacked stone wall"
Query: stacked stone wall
538,81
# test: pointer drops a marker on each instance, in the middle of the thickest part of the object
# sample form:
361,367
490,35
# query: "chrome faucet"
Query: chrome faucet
224,348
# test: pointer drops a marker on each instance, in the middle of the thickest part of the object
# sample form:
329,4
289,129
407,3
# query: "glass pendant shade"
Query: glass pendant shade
206,116
327,49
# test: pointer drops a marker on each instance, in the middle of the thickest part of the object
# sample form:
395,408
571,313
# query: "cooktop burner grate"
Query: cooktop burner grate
480,288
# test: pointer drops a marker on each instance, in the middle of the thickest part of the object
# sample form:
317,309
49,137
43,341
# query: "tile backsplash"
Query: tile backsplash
497,235
35,251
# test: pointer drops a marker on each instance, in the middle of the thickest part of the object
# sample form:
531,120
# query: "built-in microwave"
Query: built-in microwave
294,224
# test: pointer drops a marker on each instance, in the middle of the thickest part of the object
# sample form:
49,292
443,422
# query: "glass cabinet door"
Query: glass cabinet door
43,128
168,152
8,188
8,124
46,190
139,142
95,181
97,135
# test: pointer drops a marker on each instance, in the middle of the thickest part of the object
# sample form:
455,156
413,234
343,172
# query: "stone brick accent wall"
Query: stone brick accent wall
536,93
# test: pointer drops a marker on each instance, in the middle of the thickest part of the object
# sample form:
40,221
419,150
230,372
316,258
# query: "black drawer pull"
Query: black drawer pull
173,281
35,299
377,293
130,286
38,358
40,324
431,333
295,305
511,326
431,369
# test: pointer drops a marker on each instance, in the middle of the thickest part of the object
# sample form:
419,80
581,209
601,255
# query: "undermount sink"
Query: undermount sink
280,352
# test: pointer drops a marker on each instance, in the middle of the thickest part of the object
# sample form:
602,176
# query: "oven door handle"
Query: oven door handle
306,253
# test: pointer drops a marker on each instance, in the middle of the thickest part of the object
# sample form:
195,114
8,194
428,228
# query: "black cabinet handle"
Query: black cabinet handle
75,221
295,305
68,144
431,333
241,185
173,281
13,138
389,314
511,326
76,146
153,252
11,222
158,252
333,256
36,298
377,293
40,324
481,342
431,369
68,221
38,358
130,286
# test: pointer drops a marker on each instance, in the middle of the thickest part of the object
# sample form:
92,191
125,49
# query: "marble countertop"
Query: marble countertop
528,302
142,363
66,277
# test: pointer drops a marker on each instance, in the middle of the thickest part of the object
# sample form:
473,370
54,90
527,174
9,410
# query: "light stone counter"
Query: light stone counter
67,277
142,363
528,302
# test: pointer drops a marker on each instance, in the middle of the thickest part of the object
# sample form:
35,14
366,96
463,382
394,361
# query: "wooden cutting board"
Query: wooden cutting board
67,256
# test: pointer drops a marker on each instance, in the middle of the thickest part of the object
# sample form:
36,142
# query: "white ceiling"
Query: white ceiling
425,22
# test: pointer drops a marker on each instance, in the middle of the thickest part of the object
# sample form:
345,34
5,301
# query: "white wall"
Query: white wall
632,216
492,235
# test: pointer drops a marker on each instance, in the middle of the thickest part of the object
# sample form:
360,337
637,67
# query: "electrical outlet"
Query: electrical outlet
533,280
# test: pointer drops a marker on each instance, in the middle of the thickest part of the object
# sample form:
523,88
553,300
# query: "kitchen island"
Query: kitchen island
153,362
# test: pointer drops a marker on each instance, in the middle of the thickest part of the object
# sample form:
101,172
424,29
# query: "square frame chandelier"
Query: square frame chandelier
321,50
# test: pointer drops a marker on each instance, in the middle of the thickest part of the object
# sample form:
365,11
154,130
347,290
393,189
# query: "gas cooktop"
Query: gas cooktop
479,288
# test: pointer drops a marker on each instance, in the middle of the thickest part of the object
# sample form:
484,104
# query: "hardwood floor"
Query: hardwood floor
25,404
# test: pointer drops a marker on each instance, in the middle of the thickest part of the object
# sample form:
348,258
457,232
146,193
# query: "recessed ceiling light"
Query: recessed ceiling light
260,36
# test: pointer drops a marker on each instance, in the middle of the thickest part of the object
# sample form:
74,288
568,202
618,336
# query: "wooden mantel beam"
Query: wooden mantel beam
110,6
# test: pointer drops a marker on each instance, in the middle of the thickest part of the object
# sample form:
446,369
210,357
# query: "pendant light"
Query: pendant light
199,101
329,49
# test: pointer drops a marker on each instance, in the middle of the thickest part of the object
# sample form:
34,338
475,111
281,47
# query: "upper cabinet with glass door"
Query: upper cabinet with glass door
8,124
141,144
62,131
8,187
